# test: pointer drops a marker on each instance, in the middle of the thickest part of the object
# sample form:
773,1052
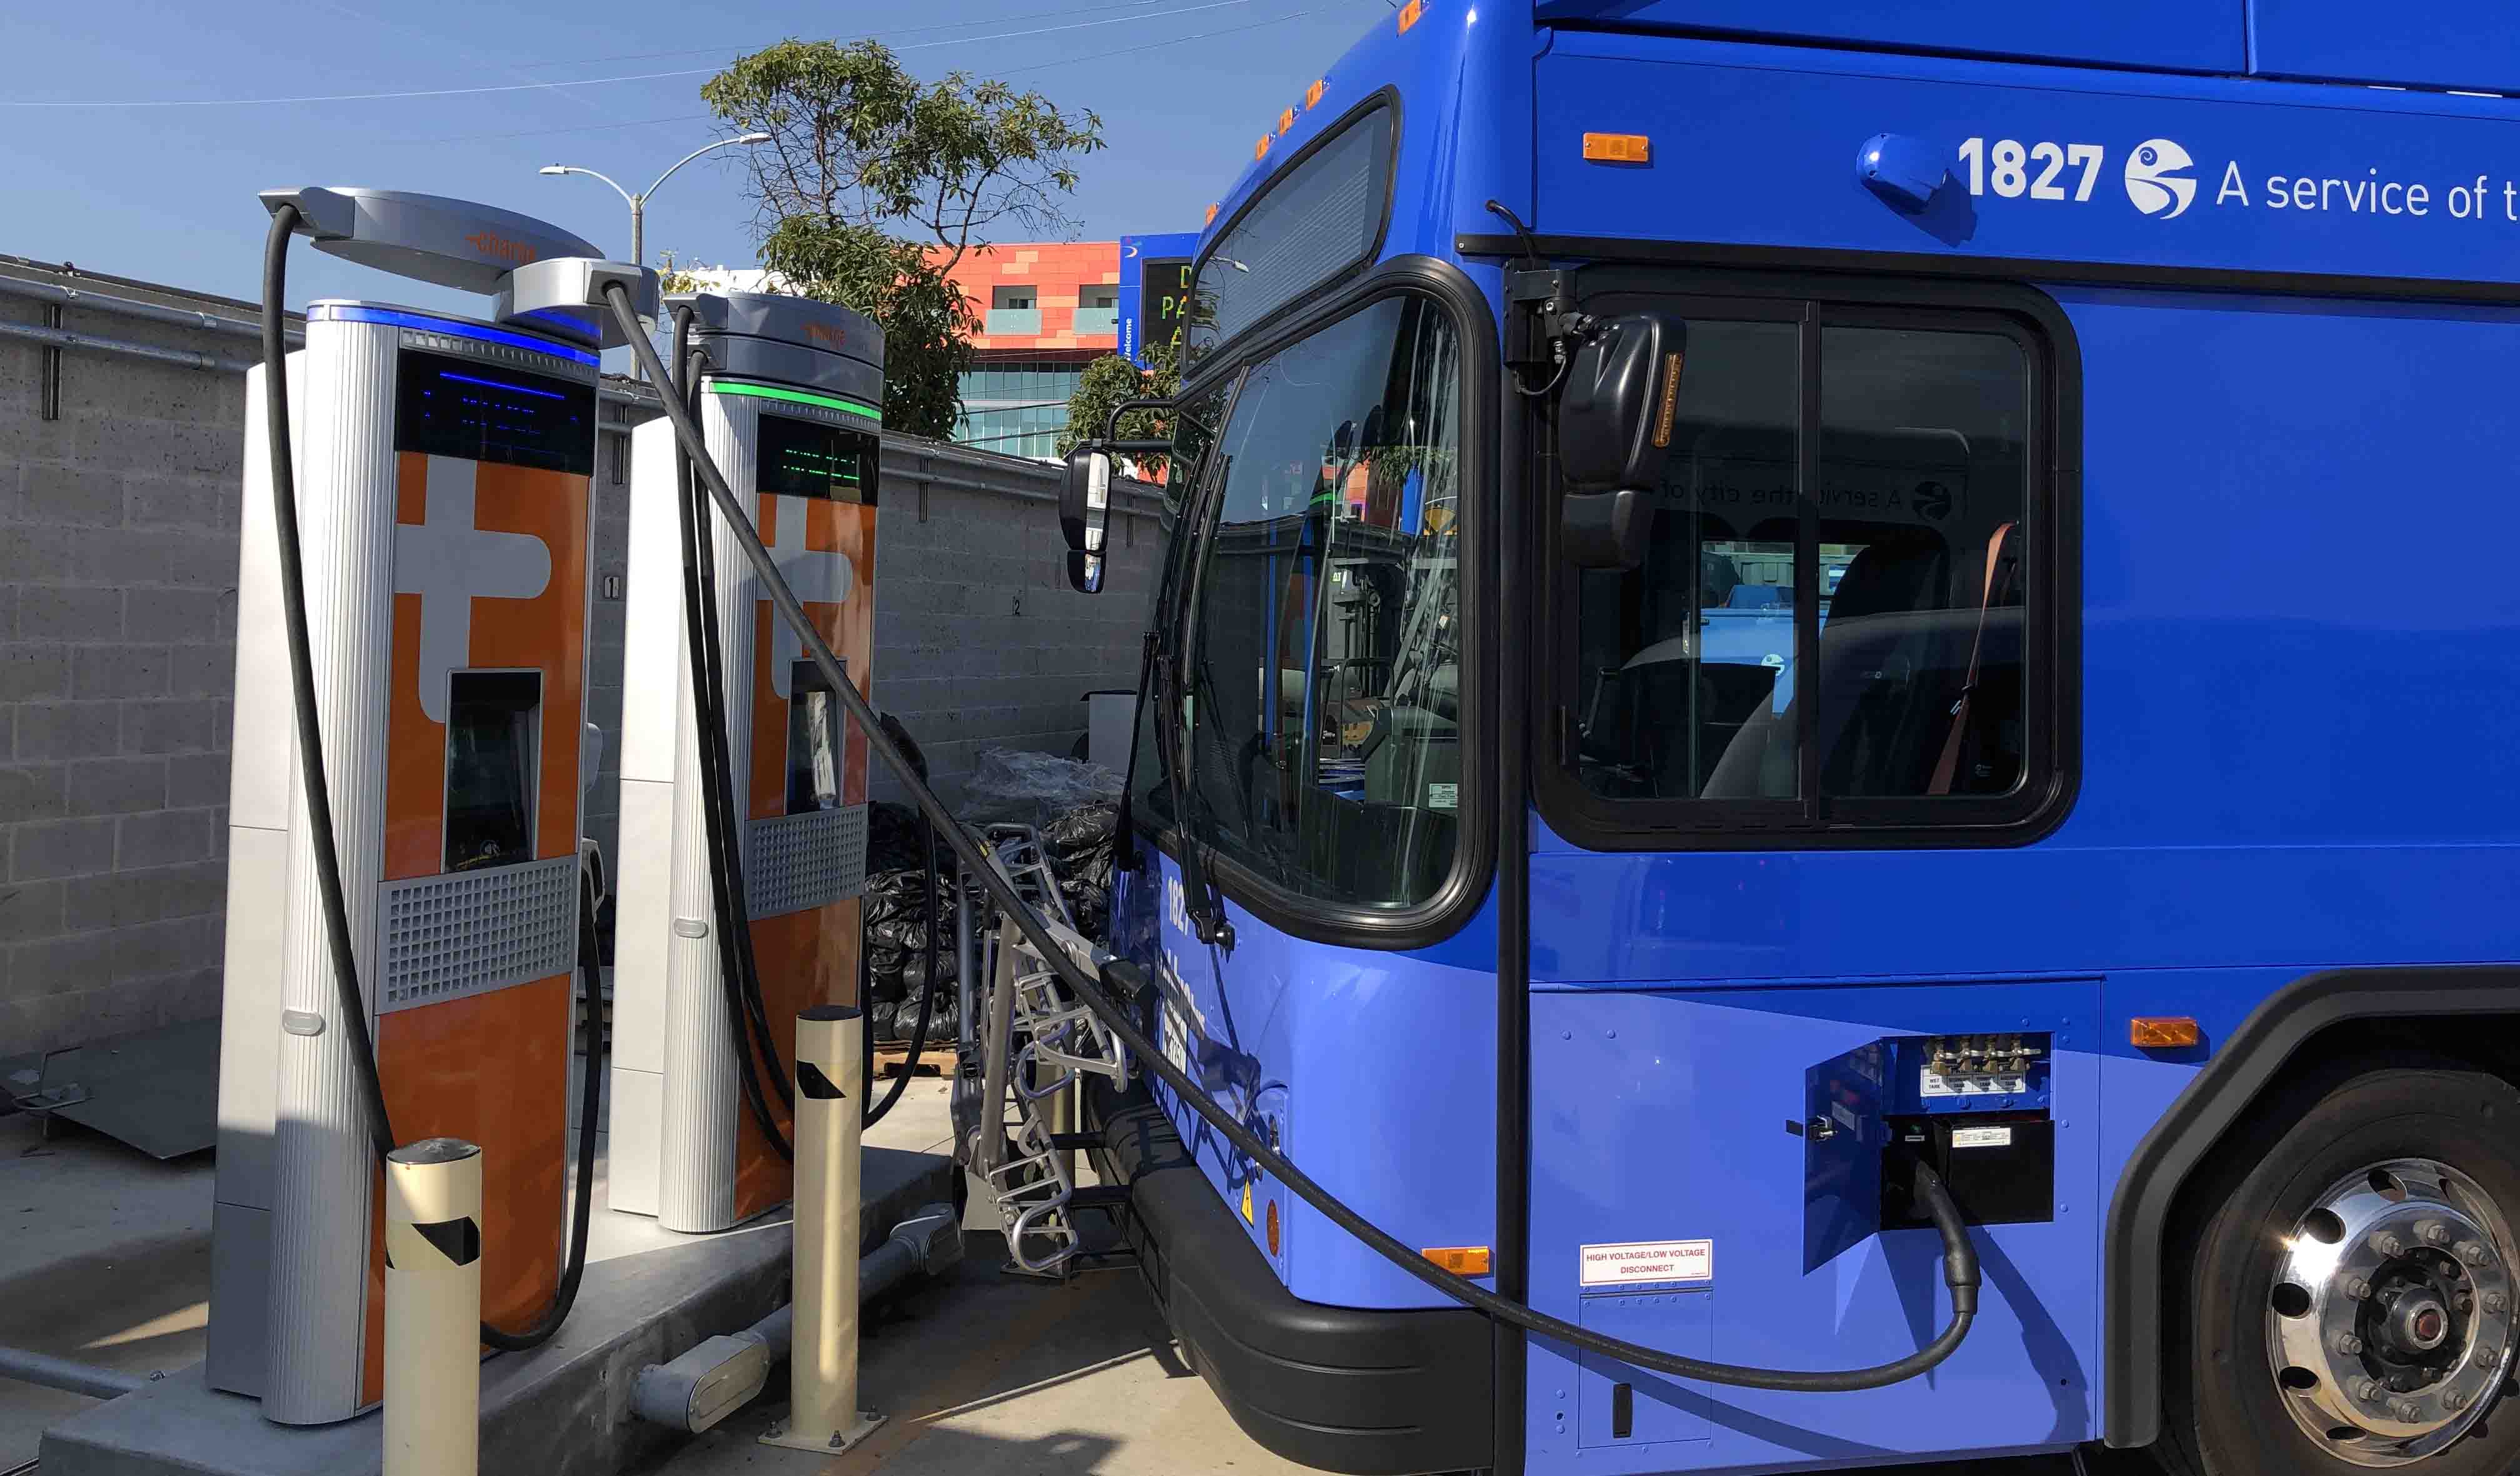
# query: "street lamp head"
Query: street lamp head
754,138
553,170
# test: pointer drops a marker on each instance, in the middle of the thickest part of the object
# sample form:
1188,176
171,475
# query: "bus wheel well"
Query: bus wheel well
2487,1043
2295,1043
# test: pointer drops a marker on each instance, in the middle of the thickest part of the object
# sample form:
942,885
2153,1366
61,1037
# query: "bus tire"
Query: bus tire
2349,1281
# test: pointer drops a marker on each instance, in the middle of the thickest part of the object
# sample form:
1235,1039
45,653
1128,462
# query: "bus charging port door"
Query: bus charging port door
1975,1107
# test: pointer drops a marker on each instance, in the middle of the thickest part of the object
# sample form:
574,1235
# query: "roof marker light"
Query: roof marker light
1260,150
1618,148
1313,94
1285,120
1211,213
1410,13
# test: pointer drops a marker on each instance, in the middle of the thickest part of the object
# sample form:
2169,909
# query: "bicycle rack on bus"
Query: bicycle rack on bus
1027,1045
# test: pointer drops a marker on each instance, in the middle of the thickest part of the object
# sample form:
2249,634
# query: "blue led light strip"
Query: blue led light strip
499,384
453,330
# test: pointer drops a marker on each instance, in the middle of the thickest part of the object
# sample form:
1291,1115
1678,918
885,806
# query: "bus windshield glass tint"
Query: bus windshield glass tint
1308,227
802,458
478,412
1324,683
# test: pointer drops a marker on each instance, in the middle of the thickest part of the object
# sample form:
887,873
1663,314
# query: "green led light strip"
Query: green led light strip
801,397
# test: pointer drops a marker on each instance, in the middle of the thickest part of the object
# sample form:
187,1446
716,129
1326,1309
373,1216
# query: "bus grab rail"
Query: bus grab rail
1960,1258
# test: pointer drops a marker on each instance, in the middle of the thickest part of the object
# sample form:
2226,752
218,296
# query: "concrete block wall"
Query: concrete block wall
978,641
119,525
117,608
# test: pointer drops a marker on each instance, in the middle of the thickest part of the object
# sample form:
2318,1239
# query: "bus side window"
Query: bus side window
1923,477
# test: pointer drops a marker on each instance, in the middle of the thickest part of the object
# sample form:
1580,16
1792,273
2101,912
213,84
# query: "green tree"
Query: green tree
1110,380
874,186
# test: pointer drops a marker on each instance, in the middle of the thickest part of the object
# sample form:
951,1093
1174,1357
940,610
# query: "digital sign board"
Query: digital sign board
1154,290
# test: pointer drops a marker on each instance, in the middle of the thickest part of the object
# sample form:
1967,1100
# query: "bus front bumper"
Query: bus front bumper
1378,1392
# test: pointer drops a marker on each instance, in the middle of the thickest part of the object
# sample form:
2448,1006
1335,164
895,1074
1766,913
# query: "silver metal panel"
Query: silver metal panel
696,1162
804,367
465,934
264,738
323,1170
783,318
462,346
237,1358
637,1129
264,748
568,295
793,340
249,1013
808,860
643,920
453,242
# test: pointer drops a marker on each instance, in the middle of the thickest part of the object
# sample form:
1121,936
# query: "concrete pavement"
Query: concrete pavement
982,1373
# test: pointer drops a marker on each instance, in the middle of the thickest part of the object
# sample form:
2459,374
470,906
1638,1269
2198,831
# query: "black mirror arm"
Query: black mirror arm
1112,423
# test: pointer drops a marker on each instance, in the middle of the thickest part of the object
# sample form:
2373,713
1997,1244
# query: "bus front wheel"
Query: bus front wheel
2350,1284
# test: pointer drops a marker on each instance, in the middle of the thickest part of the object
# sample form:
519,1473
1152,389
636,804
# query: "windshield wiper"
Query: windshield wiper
1205,906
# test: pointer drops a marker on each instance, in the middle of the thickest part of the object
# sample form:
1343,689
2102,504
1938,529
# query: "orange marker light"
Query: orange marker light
1260,150
1617,148
1273,1226
1460,1260
1211,214
1313,94
2162,1032
1287,121
1410,13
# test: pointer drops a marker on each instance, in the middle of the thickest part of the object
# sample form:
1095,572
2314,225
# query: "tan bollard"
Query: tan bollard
822,1412
432,1396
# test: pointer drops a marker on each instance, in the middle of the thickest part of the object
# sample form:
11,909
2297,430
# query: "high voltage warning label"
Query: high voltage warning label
1649,1260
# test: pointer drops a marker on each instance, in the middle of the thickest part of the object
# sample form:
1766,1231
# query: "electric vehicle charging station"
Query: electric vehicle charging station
443,478
789,402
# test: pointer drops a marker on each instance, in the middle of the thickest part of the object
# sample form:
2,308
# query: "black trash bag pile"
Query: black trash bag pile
896,839
896,940
1079,845
894,1021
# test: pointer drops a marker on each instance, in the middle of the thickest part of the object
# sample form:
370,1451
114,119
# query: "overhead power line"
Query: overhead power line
405,93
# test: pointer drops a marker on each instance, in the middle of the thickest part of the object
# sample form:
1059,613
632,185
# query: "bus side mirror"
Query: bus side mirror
1614,420
1605,531
1614,430
1084,508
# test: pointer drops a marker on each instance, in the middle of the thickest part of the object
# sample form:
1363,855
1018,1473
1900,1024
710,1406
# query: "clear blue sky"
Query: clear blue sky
166,193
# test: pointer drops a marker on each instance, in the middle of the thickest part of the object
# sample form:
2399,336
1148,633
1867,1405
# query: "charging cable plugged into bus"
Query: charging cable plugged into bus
1961,1274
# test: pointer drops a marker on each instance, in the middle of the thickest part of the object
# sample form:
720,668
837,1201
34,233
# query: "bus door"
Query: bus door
1313,672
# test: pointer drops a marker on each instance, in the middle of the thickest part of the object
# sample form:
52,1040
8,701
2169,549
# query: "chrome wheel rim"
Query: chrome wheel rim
2389,1320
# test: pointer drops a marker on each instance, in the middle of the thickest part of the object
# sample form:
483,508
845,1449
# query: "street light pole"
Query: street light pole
639,203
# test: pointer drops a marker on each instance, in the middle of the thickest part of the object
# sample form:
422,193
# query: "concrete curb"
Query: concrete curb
562,1409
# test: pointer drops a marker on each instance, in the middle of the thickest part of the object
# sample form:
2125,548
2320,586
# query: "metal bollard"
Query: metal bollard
822,1412
432,1396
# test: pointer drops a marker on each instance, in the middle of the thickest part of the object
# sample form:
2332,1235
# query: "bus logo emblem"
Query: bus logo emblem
2153,181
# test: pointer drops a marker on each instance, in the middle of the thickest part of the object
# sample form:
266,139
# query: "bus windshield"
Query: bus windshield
1321,668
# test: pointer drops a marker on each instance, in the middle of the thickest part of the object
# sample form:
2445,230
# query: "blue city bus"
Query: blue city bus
2093,797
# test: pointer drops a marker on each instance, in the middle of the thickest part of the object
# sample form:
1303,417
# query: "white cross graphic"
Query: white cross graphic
816,576
449,563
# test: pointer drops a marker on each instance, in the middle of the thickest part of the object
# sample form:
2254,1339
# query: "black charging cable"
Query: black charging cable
738,981
1960,1258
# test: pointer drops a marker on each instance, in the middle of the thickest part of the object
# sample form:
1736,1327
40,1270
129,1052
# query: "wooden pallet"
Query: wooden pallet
932,1061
